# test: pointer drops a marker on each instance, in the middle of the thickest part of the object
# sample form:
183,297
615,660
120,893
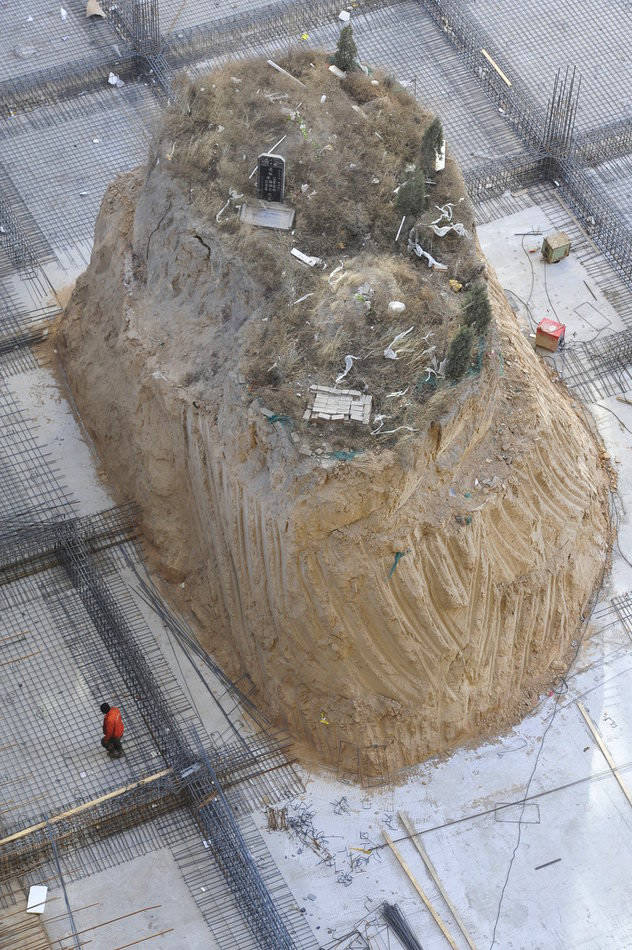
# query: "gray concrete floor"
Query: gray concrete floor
151,897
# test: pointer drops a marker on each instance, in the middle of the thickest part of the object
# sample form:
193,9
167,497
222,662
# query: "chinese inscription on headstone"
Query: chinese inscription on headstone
271,177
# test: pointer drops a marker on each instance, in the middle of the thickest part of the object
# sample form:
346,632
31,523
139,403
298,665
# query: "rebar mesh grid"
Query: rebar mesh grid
69,152
530,40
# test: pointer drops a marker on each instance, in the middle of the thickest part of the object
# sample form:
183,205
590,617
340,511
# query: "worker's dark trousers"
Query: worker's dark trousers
113,746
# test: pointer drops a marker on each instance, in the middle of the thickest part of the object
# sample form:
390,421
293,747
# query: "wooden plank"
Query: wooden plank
85,807
415,883
495,66
414,837
605,753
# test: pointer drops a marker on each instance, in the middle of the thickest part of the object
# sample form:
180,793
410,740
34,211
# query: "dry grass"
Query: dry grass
351,152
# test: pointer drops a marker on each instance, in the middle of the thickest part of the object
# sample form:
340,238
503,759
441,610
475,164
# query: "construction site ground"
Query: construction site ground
530,833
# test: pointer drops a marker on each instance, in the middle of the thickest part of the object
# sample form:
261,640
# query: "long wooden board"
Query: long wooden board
415,883
84,807
604,751
414,837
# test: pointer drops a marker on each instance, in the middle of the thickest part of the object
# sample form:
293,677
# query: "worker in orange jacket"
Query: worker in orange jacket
112,730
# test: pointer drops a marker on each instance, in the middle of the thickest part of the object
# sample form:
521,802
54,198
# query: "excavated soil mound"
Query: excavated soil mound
389,589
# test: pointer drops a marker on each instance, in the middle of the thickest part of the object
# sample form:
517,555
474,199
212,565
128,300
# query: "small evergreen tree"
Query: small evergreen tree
478,311
346,51
459,350
411,197
431,144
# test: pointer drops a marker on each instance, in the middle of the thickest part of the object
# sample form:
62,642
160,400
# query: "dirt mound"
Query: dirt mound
390,588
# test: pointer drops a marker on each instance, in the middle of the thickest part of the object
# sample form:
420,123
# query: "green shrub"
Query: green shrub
478,311
459,353
346,51
431,144
411,197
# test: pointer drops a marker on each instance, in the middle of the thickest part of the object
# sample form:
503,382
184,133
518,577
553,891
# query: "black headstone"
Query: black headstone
271,177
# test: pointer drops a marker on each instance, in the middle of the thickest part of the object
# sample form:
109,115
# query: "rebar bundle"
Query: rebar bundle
395,919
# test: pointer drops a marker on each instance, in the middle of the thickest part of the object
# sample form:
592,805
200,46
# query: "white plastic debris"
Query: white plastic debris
301,299
344,15
400,392
389,352
95,141
399,230
29,19
458,228
340,73
36,902
336,271
94,8
280,69
115,80
348,364
396,306
323,99
419,251
63,13
305,258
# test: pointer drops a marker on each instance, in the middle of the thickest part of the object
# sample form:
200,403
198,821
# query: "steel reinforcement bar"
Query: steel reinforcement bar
596,214
193,774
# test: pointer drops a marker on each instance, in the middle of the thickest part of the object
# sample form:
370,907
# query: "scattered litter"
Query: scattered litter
399,230
305,258
83,194
335,271
398,556
396,306
456,285
63,13
349,360
94,8
401,392
231,195
398,429
547,865
344,15
115,80
340,73
419,251
323,99
341,455
389,352
323,718
280,69
338,405
310,897
236,81
447,211
36,902
379,418
304,297
95,141
458,228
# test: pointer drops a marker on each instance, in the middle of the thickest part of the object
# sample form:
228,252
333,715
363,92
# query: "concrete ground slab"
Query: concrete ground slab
150,900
